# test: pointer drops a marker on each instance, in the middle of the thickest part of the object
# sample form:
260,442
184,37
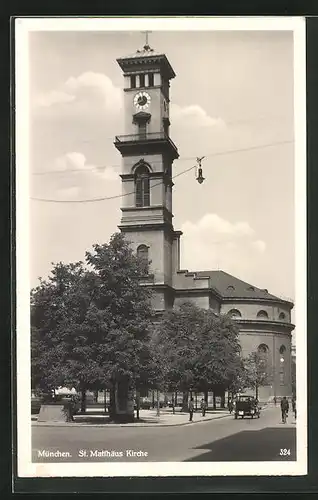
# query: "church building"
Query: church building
148,154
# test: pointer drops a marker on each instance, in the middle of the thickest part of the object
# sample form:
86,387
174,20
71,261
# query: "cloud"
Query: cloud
88,91
213,242
259,245
75,162
71,176
69,193
194,116
192,129
53,97
215,223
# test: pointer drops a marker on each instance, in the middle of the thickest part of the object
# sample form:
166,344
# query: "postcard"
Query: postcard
160,246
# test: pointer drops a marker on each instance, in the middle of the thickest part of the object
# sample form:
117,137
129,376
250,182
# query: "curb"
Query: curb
135,425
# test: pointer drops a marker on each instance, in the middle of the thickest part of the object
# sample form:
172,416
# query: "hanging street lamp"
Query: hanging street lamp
200,177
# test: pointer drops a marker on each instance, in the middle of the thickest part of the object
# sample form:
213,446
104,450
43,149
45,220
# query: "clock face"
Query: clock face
142,100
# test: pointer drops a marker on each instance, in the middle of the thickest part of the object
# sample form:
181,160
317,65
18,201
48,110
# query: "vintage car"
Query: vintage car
246,406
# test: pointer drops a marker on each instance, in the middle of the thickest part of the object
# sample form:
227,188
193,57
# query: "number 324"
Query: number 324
284,452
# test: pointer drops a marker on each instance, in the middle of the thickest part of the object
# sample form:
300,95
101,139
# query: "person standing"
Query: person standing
203,407
275,400
284,406
191,409
294,407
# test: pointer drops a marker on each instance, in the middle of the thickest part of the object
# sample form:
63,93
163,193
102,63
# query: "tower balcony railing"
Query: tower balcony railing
152,137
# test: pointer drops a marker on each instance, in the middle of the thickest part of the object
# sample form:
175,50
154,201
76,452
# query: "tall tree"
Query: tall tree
218,364
258,372
177,345
91,323
58,306
198,349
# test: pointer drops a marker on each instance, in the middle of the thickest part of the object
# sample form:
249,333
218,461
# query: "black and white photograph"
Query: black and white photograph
161,256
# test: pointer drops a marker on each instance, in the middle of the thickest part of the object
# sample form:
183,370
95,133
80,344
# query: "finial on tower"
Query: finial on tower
146,46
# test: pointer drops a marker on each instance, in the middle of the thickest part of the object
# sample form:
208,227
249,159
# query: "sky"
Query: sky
233,91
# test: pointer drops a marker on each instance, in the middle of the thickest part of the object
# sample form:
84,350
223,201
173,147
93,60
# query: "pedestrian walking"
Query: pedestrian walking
275,400
203,407
294,407
191,409
284,406
230,405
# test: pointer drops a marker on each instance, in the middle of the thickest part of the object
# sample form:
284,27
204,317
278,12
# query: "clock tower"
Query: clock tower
147,157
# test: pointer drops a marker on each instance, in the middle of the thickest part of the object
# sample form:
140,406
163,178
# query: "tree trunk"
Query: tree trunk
124,401
112,403
185,397
105,404
153,399
174,402
256,391
214,401
206,397
137,404
158,404
223,400
83,400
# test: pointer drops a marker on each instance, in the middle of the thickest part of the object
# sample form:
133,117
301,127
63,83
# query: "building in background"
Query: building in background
148,153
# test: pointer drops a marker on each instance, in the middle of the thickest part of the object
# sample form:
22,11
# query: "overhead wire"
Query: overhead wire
99,167
221,153
102,167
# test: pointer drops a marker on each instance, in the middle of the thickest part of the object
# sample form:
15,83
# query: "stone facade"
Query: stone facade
148,154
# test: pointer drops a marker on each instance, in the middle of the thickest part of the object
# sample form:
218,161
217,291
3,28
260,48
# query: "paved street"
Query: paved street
225,439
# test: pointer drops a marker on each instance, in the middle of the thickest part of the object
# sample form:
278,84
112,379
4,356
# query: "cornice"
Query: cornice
258,299
255,323
147,209
166,226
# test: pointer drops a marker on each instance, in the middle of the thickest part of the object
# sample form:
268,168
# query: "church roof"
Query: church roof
146,51
145,57
229,286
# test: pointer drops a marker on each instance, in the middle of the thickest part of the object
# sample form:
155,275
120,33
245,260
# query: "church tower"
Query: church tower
147,157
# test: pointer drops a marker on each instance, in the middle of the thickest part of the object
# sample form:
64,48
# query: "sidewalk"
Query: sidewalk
147,418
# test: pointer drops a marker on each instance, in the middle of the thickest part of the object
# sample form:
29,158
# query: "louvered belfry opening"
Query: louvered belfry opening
142,186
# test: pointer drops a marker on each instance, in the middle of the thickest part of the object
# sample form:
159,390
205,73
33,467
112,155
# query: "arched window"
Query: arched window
234,313
142,186
282,315
230,288
282,349
263,361
262,314
142,254
263,348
